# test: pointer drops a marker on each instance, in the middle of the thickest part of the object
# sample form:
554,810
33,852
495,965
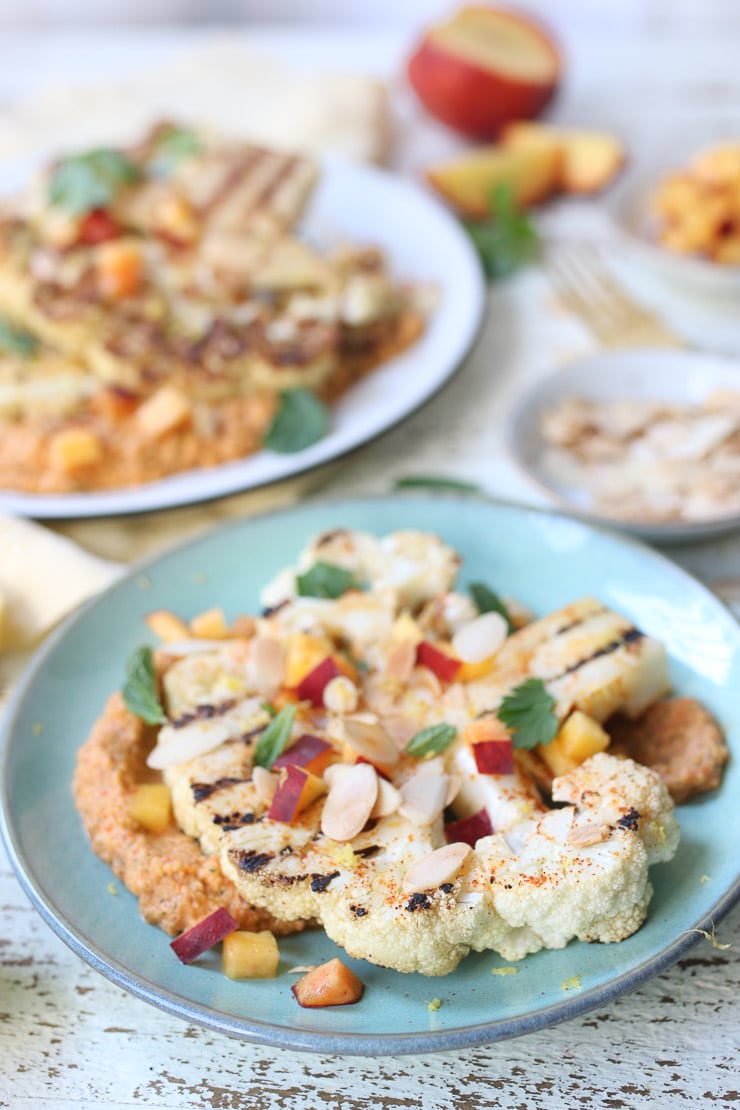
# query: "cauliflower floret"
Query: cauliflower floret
620,792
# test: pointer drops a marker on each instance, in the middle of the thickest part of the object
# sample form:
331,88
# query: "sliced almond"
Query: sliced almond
268,665
584,836
481,638
440,866
178,745
423,797
453,788
400,729
401,661
421,678
265,784
340,695
388,799
349,803
370,740
336,771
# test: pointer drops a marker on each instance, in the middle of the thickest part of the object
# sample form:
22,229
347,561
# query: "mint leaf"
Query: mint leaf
325,580
300,421
274,739
487,600
528,712
507,240
16,341
140,688
421,481
431,741
92,180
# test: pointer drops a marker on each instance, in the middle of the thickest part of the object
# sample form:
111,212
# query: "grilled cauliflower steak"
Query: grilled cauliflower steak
367,843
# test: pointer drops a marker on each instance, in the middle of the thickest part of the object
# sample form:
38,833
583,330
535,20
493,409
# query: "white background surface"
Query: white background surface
655,72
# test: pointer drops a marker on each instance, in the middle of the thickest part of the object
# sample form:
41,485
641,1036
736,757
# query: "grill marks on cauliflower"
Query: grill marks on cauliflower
543,878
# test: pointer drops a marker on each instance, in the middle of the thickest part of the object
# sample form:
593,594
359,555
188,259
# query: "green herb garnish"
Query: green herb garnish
301,420
269,709
92,180
173,146
17,341
431,741
325,580
507,240
487,600
422,481
528,712
139,691
274,739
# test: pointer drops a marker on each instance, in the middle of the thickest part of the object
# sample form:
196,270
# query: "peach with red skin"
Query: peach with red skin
476,88
297,789
203,935
309,752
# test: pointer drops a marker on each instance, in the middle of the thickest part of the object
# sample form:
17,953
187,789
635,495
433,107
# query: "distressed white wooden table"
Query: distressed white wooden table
68,1038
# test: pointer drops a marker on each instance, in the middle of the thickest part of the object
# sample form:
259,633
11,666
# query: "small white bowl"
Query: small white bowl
629,207
651,373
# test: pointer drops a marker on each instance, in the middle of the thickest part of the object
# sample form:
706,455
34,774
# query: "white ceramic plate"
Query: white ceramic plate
629,206
424,244
672,375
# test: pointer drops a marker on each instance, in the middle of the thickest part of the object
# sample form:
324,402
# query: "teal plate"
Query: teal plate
544,559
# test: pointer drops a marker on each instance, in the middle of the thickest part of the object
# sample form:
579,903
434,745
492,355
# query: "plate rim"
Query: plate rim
517,414
331,1042
156,497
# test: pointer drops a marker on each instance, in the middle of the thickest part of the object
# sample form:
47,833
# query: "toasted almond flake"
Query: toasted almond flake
388,799
439,866
423,796
400,730
584,836
268,665
178,745
370,740
340,695
336,771
421,678
401,661
349,803
481,638
301,969
453,789
265,784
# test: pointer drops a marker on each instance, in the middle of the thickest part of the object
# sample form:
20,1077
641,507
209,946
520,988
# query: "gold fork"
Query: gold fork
580,278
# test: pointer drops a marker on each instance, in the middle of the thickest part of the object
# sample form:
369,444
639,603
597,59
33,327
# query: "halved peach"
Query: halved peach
589,160
483,67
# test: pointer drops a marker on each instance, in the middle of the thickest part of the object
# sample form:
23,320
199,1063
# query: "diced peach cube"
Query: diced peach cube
304,653
120,265
330,984
165,411
250,955
75,449
210,625
151,806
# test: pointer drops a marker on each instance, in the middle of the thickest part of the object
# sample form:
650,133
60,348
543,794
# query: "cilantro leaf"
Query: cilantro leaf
528,712
487,600
92,180
507,240
300,421
431,741
140,688
16,341
421,481
325,580
274,739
